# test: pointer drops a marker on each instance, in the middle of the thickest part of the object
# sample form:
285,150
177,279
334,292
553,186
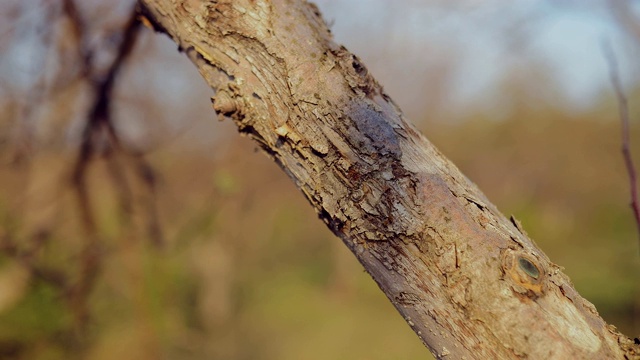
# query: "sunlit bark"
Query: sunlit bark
468,281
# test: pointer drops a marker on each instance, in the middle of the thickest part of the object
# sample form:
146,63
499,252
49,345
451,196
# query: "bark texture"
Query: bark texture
469,281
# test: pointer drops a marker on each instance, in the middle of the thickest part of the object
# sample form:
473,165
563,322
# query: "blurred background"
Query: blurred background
147,229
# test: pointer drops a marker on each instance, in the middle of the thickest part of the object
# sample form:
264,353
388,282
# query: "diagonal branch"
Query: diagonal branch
467,281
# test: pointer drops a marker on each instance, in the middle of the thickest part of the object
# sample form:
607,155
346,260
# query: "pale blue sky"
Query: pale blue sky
482,41
441,54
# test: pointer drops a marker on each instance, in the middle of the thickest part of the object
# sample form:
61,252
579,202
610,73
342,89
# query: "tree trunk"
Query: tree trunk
468,281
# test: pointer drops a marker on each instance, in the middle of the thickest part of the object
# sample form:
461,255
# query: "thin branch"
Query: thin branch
623,107
98,122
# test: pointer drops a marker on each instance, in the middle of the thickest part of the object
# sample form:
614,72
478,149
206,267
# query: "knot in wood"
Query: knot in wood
527,273
223,103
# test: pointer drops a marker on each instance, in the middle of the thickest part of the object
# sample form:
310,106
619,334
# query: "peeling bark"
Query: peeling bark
469,281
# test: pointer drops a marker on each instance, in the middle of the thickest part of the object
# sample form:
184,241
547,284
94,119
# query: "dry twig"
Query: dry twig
623,107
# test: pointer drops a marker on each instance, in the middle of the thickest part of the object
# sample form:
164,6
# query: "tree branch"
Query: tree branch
467,281
623,107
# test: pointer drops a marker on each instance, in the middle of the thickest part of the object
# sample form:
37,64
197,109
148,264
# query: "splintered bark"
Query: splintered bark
468,281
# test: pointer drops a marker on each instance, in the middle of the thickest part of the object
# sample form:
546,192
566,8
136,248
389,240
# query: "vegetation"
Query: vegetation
238,273
295,290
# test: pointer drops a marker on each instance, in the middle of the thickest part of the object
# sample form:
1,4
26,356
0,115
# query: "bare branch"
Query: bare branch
99,122
467,281
623,107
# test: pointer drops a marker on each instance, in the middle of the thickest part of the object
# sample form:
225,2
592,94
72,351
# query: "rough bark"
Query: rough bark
468,281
